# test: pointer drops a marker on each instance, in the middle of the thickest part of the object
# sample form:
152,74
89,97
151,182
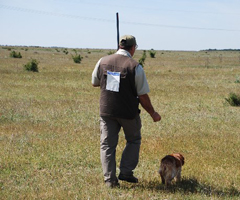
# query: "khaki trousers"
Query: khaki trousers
110,128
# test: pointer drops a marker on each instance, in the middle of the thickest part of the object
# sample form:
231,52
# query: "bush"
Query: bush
237,80
14,54
233,100
32,66
142,59
152,53
65,51
77,58
111,52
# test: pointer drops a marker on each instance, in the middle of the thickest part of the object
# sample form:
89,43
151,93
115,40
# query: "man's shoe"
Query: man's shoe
110,184
128,178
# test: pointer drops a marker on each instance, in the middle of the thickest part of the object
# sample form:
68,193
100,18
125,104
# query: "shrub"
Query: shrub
233,100
14,54
142,59
237,80
152,53
65,51
77,58
111,52
32,66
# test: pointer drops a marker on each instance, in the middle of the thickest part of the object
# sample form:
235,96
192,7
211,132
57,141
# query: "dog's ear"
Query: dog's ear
178,163
181,158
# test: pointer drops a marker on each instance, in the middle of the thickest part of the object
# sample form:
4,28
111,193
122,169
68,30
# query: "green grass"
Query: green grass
49,127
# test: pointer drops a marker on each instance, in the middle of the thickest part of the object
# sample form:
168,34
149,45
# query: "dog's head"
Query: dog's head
180,158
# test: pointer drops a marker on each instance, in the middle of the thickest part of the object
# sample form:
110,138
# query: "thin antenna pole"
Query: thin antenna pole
117,18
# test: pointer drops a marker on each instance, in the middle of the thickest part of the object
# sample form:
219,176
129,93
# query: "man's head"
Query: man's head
128,43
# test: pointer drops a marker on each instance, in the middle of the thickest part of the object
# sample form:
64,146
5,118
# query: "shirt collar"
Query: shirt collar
124,53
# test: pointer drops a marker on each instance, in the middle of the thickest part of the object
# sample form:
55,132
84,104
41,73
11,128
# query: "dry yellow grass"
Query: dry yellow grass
49,129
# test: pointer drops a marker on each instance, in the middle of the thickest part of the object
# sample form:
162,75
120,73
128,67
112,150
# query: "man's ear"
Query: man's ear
132,50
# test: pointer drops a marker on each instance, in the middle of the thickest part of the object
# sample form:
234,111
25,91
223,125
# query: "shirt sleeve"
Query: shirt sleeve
141,81
95,78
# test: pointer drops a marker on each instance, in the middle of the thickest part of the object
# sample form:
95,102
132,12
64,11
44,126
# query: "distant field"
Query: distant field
49,126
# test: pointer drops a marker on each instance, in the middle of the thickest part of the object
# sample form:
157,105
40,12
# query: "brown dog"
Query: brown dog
171,167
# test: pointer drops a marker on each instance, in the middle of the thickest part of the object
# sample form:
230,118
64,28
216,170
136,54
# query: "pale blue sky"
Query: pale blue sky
157,24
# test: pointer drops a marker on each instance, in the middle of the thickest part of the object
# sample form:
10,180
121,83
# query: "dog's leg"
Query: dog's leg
161,173
167,183
178,177
163,179
168,180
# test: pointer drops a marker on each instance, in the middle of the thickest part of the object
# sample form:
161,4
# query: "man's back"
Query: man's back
117,83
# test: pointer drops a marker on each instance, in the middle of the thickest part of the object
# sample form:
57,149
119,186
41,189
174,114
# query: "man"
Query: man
123,85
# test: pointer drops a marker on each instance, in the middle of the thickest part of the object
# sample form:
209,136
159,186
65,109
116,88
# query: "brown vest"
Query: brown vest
122,104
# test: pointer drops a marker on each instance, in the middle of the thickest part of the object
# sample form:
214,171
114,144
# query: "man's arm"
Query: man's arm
147,105
95,78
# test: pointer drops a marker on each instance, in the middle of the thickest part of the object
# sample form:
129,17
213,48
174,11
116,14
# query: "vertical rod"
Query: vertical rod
117,18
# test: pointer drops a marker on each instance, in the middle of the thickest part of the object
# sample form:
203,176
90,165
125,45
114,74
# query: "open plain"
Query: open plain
49,126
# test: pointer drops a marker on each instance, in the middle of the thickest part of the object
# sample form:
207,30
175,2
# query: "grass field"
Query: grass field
49,126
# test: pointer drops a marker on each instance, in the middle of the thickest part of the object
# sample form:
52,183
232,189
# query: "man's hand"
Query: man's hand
147,105
156,117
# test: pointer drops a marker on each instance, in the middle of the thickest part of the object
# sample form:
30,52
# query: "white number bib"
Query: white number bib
113,81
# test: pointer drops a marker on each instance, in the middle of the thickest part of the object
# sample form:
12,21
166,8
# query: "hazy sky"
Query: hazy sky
156,24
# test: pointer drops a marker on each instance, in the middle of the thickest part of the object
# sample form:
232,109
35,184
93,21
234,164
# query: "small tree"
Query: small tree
77,58
32,66
152,53
111,52
142,59
233,100
65,51
14,54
